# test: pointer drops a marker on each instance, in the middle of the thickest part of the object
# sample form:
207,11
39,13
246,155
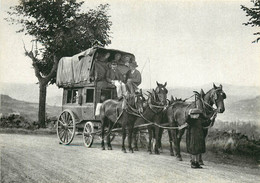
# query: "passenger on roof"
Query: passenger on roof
115,77
133,77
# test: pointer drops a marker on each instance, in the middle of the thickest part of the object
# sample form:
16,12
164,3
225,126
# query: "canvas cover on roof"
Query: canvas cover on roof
74,69
90,65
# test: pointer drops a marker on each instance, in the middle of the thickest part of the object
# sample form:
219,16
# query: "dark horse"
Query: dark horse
113,112
156,104
216,97
177,113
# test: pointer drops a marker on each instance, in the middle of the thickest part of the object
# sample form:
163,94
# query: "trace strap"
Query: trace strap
161,126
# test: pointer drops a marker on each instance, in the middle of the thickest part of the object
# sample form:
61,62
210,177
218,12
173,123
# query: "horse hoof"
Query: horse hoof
172,154
124,151
179,158
109,148
201,163
103,148
136,149
131,150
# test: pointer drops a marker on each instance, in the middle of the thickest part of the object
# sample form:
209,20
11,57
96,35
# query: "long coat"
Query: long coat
135,78
114,74
195,139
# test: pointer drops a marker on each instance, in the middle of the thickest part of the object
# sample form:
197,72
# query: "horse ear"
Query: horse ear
157,83
220,86
202,93
172,99
215,87
141,92
165,84
196,93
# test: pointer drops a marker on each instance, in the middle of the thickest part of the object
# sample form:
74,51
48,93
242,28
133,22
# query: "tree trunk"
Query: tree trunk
42,104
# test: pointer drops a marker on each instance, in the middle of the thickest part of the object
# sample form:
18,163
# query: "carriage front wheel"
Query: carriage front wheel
88,135
66,127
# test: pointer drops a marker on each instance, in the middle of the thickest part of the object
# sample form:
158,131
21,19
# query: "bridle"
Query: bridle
133,110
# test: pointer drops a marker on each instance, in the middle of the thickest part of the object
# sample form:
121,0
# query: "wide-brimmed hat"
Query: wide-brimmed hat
134,64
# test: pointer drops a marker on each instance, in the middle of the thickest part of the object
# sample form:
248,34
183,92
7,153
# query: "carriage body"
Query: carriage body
83,79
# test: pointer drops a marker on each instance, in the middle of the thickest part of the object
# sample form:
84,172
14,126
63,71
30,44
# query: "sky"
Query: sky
186,43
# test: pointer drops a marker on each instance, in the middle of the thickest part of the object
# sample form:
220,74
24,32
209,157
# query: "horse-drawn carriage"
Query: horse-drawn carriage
89,103
83,79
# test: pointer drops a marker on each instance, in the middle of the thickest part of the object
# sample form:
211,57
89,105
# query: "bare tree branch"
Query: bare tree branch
34,60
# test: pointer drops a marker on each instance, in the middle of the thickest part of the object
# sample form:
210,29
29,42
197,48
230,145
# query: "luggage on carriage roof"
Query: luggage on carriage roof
90,66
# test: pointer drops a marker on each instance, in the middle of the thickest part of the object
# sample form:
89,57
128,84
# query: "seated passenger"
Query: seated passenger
115,77
133,78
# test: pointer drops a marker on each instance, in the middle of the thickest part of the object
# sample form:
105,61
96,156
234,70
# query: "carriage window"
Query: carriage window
72,96
69,92
75,96
90,96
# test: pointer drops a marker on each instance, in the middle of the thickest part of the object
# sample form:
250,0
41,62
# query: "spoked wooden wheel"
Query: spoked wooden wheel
66,127
88,135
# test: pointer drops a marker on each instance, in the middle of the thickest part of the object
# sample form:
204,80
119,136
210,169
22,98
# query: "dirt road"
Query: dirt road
34,158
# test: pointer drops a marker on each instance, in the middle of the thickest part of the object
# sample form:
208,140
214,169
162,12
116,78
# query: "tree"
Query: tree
59,28
254,14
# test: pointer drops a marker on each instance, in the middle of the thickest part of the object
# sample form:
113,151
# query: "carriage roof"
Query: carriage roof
78,70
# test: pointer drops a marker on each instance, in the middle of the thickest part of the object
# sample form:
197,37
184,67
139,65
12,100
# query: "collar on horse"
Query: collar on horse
162,107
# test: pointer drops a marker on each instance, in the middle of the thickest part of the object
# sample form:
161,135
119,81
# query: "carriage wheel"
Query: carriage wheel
66,126
88,135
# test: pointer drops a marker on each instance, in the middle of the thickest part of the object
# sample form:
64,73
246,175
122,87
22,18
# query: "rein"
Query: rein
161,126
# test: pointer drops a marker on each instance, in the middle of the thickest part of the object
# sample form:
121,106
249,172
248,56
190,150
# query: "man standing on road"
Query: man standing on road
133,78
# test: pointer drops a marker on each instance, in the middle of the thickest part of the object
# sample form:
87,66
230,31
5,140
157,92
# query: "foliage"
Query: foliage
60,28
254,14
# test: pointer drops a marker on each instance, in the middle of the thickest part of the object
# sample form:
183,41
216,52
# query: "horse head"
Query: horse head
137,100
216,96
161,93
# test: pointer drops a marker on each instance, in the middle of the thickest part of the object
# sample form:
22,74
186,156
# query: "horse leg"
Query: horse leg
205,131
176,145
135,138
179,136
150,131
160,139
157,135
130,133
109,147
170,140
103,120
123,138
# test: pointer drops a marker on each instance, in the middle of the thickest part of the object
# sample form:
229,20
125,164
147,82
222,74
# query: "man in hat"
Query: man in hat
133,78
115,77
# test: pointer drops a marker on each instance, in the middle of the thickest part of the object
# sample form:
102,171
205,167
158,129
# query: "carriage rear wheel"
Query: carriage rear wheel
88,135
66,126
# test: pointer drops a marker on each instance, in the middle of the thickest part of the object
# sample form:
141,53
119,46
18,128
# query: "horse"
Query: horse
124,113
176,113
156,103
216,97
170,102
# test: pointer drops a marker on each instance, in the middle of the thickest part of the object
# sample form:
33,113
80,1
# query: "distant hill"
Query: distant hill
30,92
243,110
26,109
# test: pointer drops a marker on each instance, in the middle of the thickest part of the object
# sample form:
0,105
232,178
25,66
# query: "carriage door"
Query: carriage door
88,103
